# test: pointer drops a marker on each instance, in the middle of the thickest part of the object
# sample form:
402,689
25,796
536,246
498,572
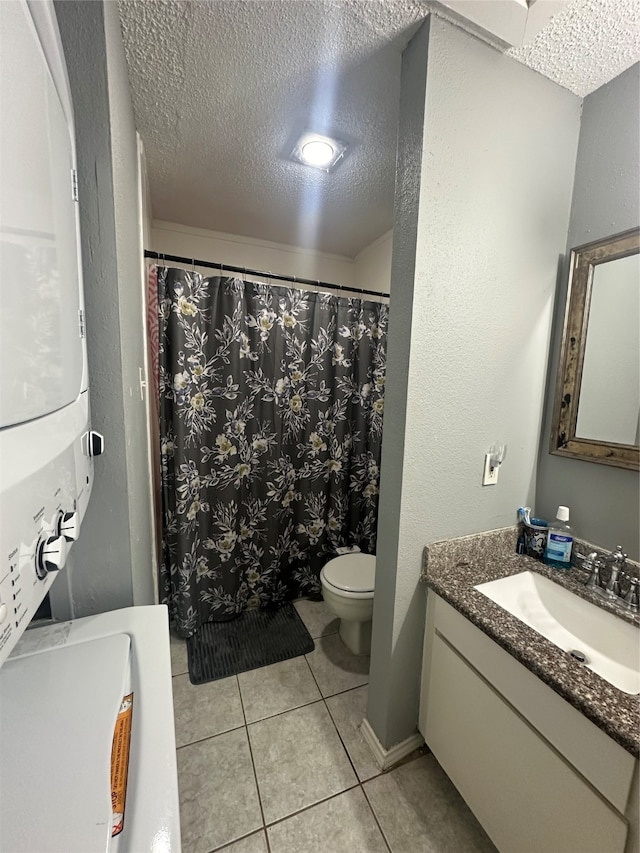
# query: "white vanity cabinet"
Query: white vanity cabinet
538,775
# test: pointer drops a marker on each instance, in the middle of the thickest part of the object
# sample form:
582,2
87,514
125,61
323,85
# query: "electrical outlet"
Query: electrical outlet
490,476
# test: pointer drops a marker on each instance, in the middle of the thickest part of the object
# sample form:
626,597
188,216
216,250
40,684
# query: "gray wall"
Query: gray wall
398,601
496,172
99,569
129,250
603,500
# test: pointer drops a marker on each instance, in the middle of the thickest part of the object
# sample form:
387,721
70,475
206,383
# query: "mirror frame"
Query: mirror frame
564,441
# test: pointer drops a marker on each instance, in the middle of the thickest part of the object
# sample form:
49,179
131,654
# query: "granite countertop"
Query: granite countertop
452,568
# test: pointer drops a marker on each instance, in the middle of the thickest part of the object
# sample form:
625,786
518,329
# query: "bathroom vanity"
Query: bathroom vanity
544,752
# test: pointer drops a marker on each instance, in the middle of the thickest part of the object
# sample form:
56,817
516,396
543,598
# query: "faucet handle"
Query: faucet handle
592,564
631,598
618,556
586,561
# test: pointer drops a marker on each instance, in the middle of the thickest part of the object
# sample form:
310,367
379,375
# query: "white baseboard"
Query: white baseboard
386,758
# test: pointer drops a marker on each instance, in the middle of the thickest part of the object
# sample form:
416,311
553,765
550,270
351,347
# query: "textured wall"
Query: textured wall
398,605
99,563
110,566
128,221
498,158
603,500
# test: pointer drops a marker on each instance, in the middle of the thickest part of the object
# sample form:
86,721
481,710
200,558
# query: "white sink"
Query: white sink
610,645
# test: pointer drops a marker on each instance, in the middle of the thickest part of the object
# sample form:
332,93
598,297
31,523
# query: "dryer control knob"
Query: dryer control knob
51,554
68,526
3,612
92,443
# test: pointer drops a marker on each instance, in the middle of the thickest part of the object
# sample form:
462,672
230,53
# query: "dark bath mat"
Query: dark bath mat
256,638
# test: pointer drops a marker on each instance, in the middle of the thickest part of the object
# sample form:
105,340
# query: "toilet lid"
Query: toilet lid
352,572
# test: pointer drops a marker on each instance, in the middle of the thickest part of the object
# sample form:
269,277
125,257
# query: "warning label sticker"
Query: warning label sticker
120,764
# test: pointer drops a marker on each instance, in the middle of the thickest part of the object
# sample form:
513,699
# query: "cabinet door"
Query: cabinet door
525,795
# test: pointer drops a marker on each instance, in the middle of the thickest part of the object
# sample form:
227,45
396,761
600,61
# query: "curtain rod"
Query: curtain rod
160,256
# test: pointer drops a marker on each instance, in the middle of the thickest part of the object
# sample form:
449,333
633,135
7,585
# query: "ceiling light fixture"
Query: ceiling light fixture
321,152
317,153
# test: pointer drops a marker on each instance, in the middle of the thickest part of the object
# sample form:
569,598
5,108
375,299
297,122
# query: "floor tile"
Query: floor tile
317,617
343,824
218,797
203,710
348,711
420,811
335,668
280,687
299,760
256,843
178,648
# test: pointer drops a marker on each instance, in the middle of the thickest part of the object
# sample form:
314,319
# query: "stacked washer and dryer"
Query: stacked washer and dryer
87,744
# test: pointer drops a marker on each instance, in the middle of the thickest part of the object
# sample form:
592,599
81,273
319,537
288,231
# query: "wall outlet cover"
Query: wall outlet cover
490,476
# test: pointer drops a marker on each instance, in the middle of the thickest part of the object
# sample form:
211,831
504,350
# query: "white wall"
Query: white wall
152,417
145,196
373,265
495,167
174,239
369,270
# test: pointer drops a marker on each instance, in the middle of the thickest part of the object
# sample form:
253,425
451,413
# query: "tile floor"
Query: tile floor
272,761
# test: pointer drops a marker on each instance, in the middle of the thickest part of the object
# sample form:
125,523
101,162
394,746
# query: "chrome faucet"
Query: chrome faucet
617,561
593,563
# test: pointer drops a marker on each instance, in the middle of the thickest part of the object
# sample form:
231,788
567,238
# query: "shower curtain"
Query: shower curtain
271,407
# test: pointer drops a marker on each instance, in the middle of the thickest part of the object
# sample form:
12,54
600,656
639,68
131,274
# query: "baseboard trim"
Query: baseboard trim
386,758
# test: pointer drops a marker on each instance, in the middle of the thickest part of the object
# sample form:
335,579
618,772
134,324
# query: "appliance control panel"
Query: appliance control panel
42,510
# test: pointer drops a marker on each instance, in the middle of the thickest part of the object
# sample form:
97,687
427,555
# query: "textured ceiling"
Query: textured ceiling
586,45
221,87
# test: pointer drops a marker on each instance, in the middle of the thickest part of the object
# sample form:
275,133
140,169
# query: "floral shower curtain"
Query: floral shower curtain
271,406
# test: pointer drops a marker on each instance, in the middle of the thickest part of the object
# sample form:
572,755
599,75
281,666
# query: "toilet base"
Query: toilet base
356,636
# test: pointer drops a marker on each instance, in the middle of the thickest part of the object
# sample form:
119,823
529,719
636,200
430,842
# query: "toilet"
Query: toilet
347,587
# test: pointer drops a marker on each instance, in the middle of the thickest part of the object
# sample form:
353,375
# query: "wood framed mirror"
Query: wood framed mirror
597,404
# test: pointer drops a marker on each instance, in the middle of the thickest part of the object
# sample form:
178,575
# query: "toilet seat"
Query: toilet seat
351,574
